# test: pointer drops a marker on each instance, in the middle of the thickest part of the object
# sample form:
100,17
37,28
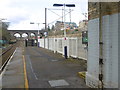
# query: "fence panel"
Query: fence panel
73,44
59,48
51,44
46,43
82,53
75,48
41,43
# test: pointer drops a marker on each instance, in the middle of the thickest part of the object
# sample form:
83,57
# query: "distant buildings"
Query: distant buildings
83,25
59,25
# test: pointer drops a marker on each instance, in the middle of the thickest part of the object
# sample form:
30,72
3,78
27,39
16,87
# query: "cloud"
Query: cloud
17,15
17,19
13,14
23,25
21,12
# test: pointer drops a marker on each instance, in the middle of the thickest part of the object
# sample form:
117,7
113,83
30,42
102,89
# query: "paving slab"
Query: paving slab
55,83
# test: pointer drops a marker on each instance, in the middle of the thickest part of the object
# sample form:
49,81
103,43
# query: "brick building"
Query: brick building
68,25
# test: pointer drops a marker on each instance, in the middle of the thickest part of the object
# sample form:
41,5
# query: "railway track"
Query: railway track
5,56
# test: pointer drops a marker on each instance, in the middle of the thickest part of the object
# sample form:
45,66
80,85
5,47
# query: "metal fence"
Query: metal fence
75,48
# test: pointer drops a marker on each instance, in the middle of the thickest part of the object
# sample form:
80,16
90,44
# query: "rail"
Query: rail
5,56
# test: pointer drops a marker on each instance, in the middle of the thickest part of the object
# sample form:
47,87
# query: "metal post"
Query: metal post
100,48
38,35
46,25
38,29
68,5
62,18
45,18
64,24
65,47
70,15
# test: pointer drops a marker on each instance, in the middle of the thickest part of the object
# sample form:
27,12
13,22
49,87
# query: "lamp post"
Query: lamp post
2,19
67,5
38,36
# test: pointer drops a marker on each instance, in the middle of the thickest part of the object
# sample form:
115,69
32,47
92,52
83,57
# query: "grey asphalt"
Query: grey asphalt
43,67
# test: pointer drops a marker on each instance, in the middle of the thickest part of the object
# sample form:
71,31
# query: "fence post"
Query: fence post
68,47
48,43
62,46
57,45
44,42
76,47
54,46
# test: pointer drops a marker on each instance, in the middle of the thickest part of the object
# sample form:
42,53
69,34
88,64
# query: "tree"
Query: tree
48,28
3,29
53,27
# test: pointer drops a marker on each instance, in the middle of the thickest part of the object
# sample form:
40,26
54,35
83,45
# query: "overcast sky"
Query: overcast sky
21,12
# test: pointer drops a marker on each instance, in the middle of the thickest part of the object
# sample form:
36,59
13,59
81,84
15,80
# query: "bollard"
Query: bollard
32,42
65,52
26,43
38,44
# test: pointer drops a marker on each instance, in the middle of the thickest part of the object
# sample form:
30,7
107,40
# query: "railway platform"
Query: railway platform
35,67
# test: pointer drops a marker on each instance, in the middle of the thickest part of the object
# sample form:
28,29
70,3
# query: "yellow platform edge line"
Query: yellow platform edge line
82,74
25,74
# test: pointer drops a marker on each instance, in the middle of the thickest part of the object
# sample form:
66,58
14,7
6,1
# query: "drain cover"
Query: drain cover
54,60
55,83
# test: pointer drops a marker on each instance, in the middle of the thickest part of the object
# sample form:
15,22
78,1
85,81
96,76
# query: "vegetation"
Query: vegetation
61,32
5,36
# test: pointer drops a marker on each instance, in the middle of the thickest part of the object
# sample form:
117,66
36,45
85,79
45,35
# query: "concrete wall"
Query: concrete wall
110,35
93,54
110,52
75,48
108,12
119,49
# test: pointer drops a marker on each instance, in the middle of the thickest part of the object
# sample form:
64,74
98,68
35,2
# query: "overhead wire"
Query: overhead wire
60,16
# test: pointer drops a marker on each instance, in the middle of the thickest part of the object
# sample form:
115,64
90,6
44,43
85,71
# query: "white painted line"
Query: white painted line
33,70
82,58
54,60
